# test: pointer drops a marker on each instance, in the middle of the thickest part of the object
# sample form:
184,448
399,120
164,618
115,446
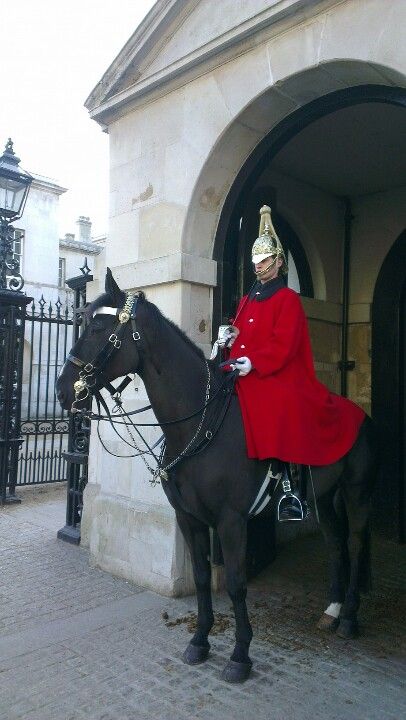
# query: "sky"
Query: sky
52,54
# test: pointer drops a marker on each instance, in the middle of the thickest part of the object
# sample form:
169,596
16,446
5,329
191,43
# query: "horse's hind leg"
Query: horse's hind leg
198,540
232,531
358,507
333,524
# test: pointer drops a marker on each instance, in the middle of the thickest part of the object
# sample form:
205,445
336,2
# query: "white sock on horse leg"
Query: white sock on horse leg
333,610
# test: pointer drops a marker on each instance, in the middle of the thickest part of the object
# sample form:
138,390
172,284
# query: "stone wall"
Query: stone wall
325,338
359,379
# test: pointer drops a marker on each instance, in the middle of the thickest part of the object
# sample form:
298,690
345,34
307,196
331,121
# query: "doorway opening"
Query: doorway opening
334,174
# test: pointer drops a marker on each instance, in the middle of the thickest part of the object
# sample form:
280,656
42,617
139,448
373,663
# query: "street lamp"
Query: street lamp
14,187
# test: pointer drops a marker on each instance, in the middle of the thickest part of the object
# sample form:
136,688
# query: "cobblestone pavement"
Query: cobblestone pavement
77,643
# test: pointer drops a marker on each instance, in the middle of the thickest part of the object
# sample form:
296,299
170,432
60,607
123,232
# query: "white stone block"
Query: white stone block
244,79
160,229
293,51
140,543
201,128
180,167
267,110
369,30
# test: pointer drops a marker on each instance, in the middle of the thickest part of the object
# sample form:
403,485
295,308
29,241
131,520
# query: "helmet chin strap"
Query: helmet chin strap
258,273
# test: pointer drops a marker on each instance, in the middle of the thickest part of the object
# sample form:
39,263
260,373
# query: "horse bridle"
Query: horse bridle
92,379
91,374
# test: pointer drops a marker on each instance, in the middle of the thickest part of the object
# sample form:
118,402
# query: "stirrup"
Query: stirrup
290,506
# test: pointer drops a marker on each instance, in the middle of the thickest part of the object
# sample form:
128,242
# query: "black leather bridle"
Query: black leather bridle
92,379
91,375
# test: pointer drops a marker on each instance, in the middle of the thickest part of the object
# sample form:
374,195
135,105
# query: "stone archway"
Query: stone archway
391,492
269,147
236,153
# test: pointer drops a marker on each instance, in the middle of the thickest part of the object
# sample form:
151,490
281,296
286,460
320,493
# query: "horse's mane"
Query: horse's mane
162,320
106,299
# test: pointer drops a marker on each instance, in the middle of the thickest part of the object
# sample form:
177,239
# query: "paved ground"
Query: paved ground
76,643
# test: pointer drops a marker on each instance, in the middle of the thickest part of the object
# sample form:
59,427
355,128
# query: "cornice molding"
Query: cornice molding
149,35
88,247
167,269
43,183
107,99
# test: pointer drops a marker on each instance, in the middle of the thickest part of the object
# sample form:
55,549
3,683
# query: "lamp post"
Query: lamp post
14,187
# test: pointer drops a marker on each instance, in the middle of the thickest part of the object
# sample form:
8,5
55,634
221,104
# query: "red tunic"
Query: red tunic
287,413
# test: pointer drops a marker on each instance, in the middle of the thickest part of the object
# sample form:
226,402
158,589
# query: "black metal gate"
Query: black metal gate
44,425
49,433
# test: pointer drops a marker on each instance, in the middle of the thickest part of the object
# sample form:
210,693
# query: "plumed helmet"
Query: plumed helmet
267,243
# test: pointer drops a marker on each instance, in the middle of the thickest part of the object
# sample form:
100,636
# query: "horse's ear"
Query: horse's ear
112,288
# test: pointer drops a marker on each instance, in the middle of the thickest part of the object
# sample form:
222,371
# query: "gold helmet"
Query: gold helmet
267,243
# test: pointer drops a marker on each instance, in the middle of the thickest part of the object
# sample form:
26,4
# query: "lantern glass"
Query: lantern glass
14,185
12,196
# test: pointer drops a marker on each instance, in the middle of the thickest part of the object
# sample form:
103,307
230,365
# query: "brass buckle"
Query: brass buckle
123,317
115,340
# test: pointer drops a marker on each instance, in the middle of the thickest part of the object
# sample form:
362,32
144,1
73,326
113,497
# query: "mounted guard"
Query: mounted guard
204,467
288,414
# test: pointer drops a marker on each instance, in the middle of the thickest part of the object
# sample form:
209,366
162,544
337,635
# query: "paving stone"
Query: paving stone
79,644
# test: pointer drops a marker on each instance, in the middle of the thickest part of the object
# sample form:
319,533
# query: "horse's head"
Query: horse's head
108,348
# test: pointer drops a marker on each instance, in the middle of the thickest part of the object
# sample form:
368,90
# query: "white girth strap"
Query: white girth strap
263,497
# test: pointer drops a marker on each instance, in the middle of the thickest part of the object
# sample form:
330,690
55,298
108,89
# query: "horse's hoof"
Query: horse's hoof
195,654
236,672
347,629
328,623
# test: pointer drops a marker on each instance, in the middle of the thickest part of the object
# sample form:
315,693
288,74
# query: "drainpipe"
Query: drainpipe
345,365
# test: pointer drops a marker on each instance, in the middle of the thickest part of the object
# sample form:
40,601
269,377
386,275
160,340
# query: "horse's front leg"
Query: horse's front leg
232,531
198,540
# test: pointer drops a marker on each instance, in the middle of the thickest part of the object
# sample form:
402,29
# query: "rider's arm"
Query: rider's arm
284,340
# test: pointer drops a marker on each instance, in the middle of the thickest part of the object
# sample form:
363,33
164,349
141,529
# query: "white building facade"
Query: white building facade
213,109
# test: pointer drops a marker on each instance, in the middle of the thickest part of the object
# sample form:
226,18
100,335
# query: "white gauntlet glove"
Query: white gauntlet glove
243,364
226,336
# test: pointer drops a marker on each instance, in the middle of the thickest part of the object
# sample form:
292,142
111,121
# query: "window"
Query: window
17,250
62,272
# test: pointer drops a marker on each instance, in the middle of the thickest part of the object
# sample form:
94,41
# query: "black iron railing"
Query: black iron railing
44,425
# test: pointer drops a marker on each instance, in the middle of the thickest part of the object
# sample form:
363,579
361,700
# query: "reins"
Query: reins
92,416
92,379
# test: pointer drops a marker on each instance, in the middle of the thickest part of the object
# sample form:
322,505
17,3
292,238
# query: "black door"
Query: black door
388,391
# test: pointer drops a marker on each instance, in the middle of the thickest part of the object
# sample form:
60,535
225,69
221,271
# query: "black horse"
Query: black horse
216,486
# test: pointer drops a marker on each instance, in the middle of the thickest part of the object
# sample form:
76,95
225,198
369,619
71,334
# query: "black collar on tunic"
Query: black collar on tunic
264,291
